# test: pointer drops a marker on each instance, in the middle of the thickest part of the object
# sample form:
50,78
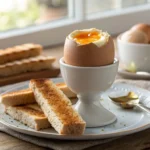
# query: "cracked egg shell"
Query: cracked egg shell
89,55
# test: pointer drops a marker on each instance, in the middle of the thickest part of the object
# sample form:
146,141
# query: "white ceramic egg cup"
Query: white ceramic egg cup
88,83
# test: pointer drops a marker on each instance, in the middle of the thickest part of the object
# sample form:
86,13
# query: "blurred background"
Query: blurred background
49,21
23,13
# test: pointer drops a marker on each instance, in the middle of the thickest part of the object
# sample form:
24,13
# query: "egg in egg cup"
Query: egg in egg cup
88,78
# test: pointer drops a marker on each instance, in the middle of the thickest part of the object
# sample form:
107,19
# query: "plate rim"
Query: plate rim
81,137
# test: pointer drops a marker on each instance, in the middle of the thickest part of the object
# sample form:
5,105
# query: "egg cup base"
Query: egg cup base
91,110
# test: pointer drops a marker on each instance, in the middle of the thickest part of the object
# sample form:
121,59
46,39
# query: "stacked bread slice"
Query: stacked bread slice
26,96
57,107
31,115
24,62
43,105
19,52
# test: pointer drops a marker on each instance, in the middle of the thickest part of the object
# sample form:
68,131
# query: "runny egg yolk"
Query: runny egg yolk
87,37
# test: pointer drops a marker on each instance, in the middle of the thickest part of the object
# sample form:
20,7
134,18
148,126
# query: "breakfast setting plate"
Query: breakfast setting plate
128,120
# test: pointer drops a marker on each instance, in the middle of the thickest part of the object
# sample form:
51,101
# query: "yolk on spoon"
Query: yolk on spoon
87,37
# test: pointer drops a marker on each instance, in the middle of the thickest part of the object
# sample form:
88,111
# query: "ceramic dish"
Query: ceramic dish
128,121
133,54
138,75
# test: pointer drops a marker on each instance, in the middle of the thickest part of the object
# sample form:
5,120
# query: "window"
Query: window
110,5
49,21
19,14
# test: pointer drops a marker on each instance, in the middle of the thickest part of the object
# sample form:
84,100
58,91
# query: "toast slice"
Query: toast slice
47,73
21,97
57,107
26,96
19,52
26,65
30,115
63,87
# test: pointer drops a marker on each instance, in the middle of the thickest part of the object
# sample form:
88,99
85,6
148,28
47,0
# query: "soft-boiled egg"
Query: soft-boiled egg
135,36
142,27
88,48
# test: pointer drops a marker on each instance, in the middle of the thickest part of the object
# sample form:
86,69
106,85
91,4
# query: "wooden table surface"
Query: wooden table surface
138,141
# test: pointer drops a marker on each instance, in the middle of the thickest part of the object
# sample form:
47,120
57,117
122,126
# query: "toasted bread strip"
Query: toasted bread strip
21,97
57,107
19,52
26,96
48,73
63,87
30,115
26,65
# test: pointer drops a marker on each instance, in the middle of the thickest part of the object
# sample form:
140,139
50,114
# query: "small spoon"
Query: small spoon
129,101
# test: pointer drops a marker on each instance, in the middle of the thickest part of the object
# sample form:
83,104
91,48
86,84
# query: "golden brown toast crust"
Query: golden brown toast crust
20,52
26,65
18,92
18,98
25,96
48,73
61,104
62,84
29,91
57,107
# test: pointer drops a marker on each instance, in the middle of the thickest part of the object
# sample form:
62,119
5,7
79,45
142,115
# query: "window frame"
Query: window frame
54,32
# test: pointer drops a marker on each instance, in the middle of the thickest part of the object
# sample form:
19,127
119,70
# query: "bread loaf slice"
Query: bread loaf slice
19,52
63,87
46,73
30,115
26,96
57,107
16,98
26,65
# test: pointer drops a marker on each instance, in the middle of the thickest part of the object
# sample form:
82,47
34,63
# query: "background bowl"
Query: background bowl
134,55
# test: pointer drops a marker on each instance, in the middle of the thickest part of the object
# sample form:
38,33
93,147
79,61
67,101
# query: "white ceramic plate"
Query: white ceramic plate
137,75
128,121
